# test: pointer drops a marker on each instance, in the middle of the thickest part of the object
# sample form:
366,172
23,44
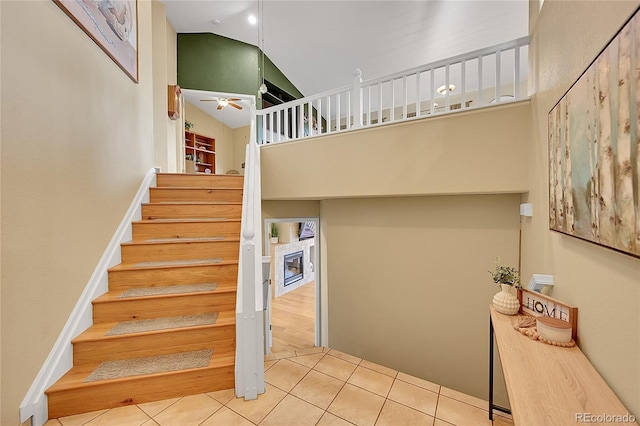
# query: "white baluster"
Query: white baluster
480,81
356,99
418,108
516,73
433,91
447,92
463,84
498,82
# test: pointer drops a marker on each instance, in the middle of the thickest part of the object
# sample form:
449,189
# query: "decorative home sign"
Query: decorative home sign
594,150
113,25
536,304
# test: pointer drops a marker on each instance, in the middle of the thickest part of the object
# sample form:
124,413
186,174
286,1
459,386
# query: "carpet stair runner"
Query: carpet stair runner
166,327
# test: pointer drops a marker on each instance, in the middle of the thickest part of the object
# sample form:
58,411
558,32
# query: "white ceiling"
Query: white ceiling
319,44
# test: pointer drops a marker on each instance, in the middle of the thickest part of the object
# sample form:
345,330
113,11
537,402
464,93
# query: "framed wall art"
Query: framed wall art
594,151
112,24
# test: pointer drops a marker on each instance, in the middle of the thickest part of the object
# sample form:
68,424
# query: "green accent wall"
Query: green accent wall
212,62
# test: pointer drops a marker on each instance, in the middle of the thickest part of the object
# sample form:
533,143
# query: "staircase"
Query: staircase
170,302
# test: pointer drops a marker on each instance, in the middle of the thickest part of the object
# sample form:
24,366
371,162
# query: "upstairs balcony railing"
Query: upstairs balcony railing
490,76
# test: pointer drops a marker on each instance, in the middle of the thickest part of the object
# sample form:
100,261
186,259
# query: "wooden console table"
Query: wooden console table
549,385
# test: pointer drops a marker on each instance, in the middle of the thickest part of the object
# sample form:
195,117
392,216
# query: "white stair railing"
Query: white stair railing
493,75
249,372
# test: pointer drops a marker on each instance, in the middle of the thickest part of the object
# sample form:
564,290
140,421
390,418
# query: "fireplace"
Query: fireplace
293,269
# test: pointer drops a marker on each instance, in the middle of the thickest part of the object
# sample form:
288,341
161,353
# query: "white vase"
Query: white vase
505,302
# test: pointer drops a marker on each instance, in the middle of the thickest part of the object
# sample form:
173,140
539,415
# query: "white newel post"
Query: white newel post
356,100
249,313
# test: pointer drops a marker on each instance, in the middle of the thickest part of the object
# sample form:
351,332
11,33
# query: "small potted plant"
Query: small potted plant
274,233
188,125
506,277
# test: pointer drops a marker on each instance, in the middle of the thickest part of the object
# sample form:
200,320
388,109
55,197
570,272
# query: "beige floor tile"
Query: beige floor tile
278,355
309,351
269,364
318,389
499,420
335,367
357,405
379,368
80,419
308,360
226,417
257,409
130,415
344,356
155,407
150,422
294,412
372,381
414,397
418,382
190,410
52,422
285,374
471,400
329,419
223,396
459,413
394,414
439,422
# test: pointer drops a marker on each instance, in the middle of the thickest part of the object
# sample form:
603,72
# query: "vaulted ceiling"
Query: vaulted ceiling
319,44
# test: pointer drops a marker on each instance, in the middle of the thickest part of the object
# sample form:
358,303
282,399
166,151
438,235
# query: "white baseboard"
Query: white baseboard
60,359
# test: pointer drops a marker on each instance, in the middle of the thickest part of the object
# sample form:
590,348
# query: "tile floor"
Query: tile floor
317,386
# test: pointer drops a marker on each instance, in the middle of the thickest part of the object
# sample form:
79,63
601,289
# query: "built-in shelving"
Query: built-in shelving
200,153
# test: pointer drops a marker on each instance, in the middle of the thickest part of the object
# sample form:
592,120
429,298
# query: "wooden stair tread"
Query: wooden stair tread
112,295
75,376
189,220
132,267
182,240
97,331
203,188
194,203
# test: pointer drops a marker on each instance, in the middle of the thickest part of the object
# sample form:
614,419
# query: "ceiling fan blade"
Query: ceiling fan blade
208,100
220,107
234,99
236,106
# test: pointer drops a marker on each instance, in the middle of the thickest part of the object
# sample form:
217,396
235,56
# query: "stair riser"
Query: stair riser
189,211
111,394
143,231
126,309
133,254
199,181
163,195
152,344
124,279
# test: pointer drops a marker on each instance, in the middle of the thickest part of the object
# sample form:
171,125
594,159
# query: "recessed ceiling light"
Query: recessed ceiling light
252,19
216,21
442,89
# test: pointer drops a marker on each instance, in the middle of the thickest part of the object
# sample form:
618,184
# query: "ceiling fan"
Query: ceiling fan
223,102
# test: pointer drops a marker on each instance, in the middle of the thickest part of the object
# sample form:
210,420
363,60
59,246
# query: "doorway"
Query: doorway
293,308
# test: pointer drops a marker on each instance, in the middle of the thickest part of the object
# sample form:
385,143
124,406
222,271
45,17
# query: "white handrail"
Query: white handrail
249,374
473,78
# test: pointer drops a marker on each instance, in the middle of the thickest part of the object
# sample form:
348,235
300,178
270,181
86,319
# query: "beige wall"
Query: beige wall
77,139
482,151
604,285
206,125
408,283
240,140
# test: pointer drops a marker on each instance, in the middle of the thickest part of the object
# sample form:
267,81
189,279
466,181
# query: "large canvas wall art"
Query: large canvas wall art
112,24
594,151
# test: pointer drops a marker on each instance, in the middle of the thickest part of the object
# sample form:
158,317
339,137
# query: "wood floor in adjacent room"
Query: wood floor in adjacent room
293,319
